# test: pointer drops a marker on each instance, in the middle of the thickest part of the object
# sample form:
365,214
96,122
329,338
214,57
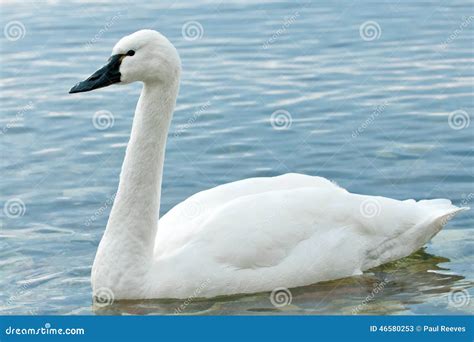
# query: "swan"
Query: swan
248,236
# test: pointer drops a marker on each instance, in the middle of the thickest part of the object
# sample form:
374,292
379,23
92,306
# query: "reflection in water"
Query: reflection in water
389,289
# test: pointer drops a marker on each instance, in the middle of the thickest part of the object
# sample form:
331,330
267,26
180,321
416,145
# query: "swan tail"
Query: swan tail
442,210
437,212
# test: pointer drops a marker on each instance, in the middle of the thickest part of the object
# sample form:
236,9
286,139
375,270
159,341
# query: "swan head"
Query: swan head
144,56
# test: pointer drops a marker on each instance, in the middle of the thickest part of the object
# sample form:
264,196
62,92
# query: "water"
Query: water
371,115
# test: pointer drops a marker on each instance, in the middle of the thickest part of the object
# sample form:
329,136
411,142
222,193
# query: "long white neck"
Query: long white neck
137,203
129,238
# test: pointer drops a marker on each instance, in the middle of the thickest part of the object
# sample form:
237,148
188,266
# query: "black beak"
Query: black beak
105,76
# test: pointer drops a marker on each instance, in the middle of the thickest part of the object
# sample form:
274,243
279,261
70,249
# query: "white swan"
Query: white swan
243,237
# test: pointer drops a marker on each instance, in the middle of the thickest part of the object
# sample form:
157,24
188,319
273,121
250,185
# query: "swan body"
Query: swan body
248,236
292,230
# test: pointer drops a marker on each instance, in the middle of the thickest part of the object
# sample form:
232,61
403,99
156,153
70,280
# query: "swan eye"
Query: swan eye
130,53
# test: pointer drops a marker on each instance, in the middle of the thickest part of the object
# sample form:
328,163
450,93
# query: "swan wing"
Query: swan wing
178,224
